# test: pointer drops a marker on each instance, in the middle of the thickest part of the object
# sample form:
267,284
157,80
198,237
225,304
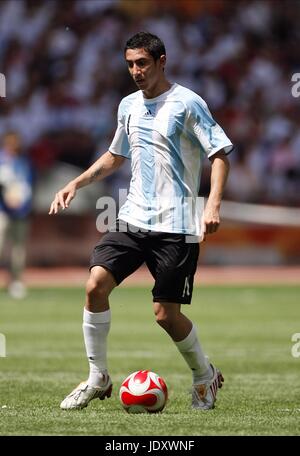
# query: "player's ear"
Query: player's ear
162,60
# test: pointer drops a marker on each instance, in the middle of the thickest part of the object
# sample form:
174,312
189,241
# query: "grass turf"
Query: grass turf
246,331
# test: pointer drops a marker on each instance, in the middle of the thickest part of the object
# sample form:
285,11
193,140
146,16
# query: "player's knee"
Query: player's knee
164,320
96,290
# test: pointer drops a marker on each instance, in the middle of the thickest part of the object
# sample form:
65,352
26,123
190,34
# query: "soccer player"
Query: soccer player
166,130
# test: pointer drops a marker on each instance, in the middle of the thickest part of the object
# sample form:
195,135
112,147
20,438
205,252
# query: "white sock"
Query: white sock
95,330
192,352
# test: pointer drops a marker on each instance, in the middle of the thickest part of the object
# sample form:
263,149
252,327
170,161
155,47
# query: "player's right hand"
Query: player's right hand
63,198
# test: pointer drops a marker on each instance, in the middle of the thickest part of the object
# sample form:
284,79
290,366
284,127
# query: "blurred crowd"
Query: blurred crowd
65,75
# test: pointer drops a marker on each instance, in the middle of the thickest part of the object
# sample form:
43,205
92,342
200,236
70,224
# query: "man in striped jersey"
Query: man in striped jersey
166,130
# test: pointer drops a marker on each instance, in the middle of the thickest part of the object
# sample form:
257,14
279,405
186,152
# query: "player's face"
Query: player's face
145,71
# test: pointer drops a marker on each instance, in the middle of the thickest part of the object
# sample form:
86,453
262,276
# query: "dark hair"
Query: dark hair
151,43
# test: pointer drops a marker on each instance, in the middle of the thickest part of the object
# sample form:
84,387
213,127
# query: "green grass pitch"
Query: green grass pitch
246,331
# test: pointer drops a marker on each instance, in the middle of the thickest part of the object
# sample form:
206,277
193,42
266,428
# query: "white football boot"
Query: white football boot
204,395
83,394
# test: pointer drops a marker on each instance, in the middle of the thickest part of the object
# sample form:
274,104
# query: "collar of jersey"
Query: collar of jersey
161,96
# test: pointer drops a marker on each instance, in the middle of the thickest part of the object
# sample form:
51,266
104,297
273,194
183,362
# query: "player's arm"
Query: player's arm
104,166
219,174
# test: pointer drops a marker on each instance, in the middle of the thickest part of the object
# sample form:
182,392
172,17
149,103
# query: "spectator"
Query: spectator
15,206
62,60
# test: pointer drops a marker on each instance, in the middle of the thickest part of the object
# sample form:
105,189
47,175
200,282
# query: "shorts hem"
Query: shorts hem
117,280
174,300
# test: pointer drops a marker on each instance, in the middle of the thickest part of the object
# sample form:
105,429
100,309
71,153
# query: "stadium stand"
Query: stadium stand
65,75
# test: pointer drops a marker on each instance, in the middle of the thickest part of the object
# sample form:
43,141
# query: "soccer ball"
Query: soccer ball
143,392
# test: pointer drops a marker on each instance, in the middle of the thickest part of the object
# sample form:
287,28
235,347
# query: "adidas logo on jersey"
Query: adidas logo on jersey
147,113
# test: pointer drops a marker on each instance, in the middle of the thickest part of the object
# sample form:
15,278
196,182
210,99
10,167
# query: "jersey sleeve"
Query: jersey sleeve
120,144
205,129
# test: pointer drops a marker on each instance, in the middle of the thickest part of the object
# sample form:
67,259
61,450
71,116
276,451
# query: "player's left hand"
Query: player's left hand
210,221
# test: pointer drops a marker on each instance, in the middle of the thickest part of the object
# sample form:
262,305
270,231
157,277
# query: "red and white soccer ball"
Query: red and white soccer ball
143,392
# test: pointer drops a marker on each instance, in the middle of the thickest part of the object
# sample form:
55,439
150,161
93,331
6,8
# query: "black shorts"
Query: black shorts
171,261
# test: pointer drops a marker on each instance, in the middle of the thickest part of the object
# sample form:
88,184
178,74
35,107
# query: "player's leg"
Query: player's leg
183,333
173,263
206,378
96,323
116,257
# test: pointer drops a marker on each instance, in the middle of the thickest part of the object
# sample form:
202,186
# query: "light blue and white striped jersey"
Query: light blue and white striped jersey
167,139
